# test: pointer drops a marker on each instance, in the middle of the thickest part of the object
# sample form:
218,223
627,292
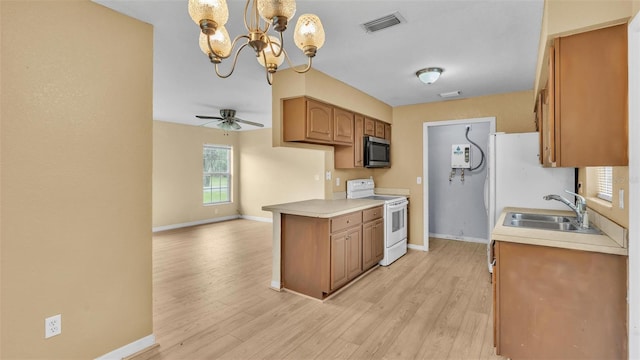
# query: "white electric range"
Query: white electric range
394,215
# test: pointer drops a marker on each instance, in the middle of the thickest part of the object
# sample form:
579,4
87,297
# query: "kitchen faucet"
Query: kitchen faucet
580,208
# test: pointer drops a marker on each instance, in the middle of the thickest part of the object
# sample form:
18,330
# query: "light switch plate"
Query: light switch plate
419,180
621,198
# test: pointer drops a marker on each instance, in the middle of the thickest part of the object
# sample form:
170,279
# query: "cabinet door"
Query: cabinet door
369,126
380,129
358,142
387,132
342,126
339,250
378,240
367,245
560,303
354,253
319,121
591,98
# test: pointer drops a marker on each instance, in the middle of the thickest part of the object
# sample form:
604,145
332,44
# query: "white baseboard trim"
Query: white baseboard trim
130,349
275,285
257,218
194,223
459,238
416,247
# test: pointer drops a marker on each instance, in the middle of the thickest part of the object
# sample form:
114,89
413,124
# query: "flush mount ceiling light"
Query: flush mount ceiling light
259,17
429,75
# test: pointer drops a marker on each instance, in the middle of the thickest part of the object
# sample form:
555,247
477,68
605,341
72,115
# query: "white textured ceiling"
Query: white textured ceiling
485,47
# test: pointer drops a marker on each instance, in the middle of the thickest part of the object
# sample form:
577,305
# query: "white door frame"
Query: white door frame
425,165
634,188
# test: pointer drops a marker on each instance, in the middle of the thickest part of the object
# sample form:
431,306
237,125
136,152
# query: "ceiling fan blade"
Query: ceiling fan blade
208,122
209,117
235,125
248,122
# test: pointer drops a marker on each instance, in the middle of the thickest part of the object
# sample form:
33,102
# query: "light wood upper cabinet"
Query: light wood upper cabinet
307,120
343,131
369,126
387,132
347,157
358,141
380,129
312,121
587,91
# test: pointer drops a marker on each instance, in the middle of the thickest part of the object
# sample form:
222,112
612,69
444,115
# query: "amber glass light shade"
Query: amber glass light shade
215,10
271,58
220,42
309,32
269,9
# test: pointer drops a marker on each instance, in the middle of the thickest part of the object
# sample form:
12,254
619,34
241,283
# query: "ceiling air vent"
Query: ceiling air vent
383,22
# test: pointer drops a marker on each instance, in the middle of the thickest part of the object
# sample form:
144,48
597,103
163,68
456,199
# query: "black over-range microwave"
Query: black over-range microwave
376,152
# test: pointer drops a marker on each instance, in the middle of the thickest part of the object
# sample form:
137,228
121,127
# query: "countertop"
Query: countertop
560,239
323,208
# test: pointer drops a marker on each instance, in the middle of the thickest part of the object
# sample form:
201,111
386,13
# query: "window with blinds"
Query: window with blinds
605,183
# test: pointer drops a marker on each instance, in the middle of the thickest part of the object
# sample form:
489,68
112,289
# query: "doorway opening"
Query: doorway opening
454,194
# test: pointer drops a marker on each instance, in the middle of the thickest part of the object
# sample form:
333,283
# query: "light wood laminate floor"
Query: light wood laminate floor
211,300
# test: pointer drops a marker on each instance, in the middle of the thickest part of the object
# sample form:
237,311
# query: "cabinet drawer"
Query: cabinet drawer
345,221
372,214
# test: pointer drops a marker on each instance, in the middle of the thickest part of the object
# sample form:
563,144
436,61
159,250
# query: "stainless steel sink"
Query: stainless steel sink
540,217
547,222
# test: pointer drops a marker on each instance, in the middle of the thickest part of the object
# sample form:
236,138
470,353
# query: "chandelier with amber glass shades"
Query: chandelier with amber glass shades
259,17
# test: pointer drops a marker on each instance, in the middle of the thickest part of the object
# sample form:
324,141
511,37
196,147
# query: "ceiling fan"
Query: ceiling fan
227,120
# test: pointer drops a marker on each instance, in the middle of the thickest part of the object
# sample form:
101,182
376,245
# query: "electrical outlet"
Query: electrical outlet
52,326
418,180
327,175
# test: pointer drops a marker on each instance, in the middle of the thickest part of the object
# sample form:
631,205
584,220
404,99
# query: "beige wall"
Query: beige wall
177,173
513,113
76,178
274,175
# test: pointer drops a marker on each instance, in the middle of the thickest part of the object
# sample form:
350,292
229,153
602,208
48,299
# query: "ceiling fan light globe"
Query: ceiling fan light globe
224,125
214,10
309,32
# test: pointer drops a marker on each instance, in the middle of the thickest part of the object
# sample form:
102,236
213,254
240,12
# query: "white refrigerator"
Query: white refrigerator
516,178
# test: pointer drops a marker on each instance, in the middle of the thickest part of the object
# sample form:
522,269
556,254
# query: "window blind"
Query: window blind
605,183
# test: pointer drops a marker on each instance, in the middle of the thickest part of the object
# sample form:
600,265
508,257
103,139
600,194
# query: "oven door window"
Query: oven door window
397,220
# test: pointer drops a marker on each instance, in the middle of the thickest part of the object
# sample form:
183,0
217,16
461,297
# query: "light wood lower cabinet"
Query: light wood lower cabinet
552,303
346,256
320,255
372,237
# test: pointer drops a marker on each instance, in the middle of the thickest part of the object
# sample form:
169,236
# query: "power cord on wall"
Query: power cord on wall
476,145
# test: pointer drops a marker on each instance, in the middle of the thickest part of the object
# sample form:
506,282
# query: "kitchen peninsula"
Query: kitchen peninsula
321,245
